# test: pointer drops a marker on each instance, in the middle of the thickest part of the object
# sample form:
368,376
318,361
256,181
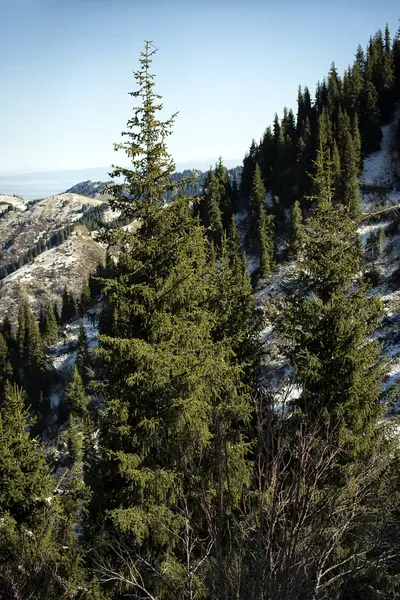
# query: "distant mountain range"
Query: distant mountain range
31,186
93,189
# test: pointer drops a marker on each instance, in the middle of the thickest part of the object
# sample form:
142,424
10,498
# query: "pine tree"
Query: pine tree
261,225
355,132
296,228
5,366
249,164
82,355
235,193
171,391
213,217
68,309
225,193
328,325
336,166
34,527
31,365
371,246
349,189
85,299
386,93
48,326
396,64
381,240
234,302
76,397
370,129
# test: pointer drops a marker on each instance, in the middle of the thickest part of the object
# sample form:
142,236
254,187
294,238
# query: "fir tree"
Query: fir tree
261,224
349,189
371,246
381,240
337,366
76,397
5,366
213,218
171,391
370,129
225,193
48,326
85,299
68,309
296,228
82,356
34,526
355,132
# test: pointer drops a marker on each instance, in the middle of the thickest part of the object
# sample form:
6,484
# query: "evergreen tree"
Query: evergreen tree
213,218
337,366
234,303
235,193
249,164
370,129
355,132
381,240
261,224
296,228
225,193
85,299
31,365
48,326
82,356
76,397
68,309
34,528
5,366
336,166
171,391
371,246
349,189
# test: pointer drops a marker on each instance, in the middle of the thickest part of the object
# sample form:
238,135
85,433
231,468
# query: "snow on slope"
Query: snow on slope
19,230
377,168
63,354
18,203
43,280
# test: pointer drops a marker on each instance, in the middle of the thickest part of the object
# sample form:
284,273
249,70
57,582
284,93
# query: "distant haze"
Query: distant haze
40,185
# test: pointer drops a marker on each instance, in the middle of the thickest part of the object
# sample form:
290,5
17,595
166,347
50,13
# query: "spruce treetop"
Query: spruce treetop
148,180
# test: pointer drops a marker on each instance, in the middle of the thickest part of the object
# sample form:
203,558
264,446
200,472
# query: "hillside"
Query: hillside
45,278
14,201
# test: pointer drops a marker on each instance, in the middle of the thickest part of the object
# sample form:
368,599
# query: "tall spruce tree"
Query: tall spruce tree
349,189
48,325
261,224
37,537
328,325
168,448
212,206
296,229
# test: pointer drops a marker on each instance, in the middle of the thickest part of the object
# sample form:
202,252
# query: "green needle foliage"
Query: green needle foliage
262,224
329,323
172,446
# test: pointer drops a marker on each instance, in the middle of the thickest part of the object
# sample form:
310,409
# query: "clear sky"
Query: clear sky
226,65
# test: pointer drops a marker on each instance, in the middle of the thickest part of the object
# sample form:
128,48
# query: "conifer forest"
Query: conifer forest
231,435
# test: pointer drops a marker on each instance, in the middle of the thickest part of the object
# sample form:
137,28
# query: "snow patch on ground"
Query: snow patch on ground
377,168
63,354
366,230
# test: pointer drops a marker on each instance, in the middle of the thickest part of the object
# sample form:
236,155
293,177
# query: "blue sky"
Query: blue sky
226,65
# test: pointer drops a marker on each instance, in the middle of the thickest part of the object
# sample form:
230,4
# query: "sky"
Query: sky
225,65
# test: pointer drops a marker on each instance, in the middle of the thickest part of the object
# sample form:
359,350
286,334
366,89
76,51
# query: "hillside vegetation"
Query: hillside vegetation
199,379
